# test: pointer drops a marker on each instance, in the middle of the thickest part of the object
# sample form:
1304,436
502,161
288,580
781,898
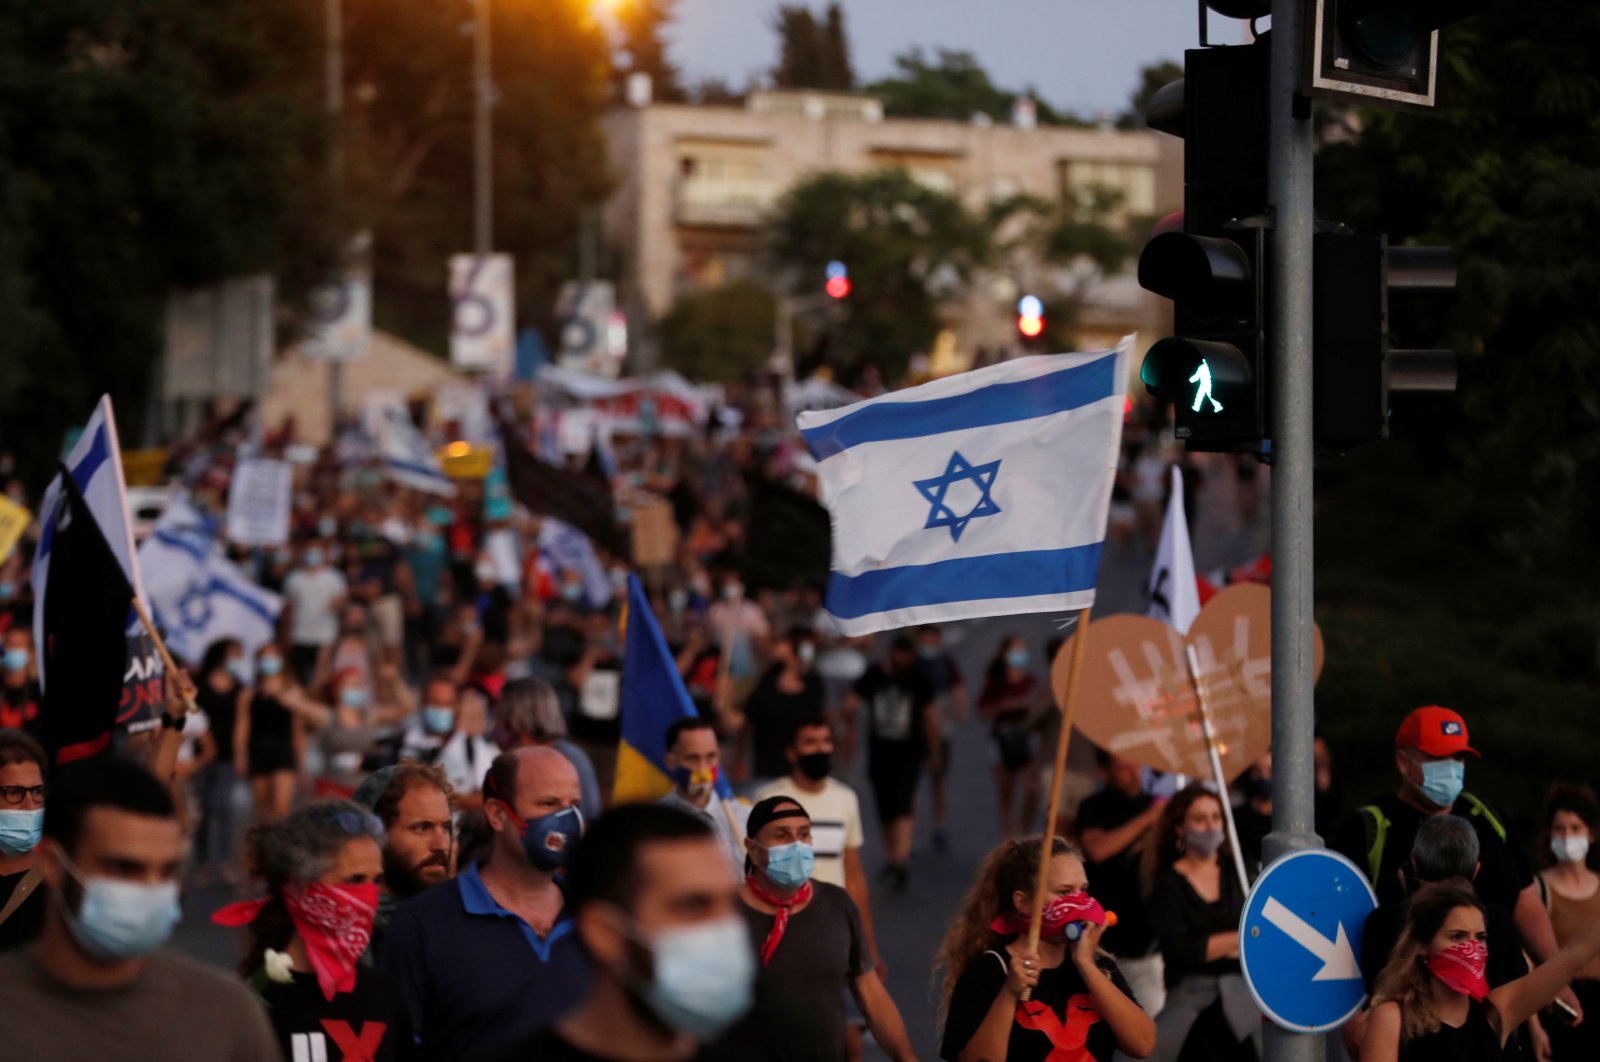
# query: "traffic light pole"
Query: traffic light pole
1289,335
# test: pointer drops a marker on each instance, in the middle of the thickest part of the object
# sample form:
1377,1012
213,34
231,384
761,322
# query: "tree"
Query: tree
812,54
896,236
641,23
953,86
148,144
1151,80
722,334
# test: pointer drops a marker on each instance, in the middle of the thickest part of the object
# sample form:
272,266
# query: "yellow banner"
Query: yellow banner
143,468
14,520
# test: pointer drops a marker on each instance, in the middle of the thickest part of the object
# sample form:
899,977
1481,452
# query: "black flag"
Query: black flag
582,499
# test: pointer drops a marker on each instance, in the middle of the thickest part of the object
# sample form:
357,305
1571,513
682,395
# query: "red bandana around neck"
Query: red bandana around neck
1053,921
1461,966
780,922
334,922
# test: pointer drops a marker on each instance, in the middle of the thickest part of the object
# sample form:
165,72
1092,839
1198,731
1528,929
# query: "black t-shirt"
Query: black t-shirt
369,1023
895,706
222,712
1475,1040
1061,1017
799,1006
548,1046
773,715
26,921
19,707
1184,922
1506,961
1115,882
1503,871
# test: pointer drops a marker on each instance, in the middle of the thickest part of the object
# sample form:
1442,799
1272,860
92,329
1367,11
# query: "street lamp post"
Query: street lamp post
483,146
333,71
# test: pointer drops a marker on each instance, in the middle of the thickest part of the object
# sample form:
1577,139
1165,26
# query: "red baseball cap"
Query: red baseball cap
1434,730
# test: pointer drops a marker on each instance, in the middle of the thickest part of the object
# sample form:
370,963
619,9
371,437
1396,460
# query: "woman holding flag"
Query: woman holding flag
1006,1003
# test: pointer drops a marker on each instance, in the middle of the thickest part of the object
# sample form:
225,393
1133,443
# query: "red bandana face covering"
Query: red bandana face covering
334,922
780,921
1461,967
1057,915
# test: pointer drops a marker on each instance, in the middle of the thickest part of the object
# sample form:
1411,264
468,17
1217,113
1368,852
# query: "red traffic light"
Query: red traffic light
1030,326
838,287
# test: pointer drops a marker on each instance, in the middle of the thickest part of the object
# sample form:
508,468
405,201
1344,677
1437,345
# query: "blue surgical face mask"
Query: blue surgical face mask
789,865
17,659
549,839
1442,781
313,558
571,592
20,831
237,669
437,719
8,590
704,976
268,666
119,920
1017,658
353,697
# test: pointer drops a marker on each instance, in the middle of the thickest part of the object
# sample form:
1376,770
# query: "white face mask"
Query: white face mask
1571,849
704,976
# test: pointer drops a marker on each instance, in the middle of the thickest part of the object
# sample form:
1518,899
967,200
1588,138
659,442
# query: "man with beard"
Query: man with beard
415,804
672,965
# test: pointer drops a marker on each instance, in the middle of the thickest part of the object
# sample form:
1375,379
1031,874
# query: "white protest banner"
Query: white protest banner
258,502
483,325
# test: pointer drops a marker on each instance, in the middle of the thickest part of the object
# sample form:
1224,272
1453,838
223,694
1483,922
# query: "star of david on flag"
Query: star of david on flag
958,470
982,494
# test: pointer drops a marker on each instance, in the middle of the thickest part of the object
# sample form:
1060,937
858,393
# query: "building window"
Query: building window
723,175
1135,182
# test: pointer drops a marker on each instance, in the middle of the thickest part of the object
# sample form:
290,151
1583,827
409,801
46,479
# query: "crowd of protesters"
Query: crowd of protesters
408,787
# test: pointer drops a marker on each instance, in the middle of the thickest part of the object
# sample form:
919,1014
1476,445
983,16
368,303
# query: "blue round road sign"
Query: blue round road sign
1300,940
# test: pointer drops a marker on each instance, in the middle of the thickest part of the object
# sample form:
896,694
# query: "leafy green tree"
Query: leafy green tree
147,144
812,54
722,334
896,236
642,23
955,86
1151,80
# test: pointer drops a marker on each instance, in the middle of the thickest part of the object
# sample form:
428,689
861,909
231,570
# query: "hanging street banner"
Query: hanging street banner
482,322
339,319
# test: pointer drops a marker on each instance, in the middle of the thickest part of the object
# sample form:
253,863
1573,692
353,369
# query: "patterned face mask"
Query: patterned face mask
1461,966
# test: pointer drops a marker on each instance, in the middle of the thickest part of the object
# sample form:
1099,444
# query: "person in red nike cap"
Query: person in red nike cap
1430,754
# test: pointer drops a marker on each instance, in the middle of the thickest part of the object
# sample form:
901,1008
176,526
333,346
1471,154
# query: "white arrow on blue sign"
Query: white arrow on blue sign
1300,940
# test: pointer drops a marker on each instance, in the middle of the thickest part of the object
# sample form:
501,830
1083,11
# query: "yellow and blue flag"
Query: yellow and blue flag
653,698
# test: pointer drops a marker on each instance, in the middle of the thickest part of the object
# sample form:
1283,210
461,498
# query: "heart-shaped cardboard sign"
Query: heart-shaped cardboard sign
1135,697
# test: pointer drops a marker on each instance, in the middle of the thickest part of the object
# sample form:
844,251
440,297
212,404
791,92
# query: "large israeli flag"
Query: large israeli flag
95,464
198,594
983,494
409,459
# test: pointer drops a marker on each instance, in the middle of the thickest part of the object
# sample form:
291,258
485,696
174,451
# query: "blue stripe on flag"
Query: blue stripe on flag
415,468
1031,573
254,604
99,453
1003,403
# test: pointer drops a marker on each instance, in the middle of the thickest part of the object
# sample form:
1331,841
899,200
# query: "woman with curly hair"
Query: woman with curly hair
1079,1000
1194,905
321,866
1433,1001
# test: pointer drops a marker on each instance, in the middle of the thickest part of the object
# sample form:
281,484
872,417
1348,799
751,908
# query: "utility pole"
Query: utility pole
1289,338
483,145
333,73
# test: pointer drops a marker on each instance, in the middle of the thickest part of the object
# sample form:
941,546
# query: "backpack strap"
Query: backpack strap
24,889
1482,810
1544,890
1377,836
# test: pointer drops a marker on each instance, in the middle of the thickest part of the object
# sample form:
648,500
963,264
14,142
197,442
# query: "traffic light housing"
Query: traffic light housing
1214,369
1382,53
1356,366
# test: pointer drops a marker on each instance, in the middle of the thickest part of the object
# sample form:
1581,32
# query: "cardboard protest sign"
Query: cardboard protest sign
258,502
655,535
1135,697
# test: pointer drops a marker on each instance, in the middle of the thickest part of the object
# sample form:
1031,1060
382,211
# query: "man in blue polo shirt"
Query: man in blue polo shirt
490,958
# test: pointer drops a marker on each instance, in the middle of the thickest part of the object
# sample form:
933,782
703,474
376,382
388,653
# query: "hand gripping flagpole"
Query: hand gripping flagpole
1080,636
1210,732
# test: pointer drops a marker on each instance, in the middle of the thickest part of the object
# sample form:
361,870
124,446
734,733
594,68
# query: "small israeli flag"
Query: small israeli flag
983,494
409,459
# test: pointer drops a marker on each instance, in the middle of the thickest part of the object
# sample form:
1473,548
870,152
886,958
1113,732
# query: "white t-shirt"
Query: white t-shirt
195,724
311,594
835,823
465,772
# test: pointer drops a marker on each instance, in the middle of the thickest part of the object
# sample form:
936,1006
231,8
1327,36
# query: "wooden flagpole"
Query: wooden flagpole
1216,765
166,657
1080,636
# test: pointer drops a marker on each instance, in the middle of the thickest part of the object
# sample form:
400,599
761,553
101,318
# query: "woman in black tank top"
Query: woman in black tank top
1432,1001
269,740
